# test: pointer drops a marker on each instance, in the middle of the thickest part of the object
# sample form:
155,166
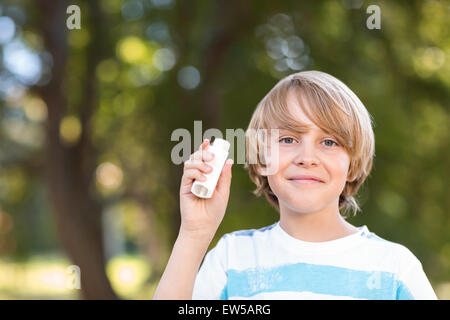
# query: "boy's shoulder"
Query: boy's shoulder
364,250
375,240
246,238
387,250
249,237
251,232
367,241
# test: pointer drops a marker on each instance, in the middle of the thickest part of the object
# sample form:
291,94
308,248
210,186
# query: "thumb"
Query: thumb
223,185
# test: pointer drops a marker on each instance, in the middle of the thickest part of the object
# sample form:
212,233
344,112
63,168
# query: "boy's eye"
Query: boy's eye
287,139
331,142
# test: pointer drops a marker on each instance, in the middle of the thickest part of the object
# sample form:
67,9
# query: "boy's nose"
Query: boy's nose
306,156
307,162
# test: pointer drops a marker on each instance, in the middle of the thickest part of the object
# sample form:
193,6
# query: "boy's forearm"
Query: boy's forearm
177,281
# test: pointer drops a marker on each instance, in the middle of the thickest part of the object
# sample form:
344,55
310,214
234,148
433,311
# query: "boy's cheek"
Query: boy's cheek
273,184
273,167
276,183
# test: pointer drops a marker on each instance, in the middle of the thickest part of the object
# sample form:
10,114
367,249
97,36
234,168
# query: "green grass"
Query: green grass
49,277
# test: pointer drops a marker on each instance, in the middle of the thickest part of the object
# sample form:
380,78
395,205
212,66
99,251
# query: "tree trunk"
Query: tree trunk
69,169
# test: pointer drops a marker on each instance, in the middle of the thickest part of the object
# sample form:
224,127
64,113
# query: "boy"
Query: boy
325,152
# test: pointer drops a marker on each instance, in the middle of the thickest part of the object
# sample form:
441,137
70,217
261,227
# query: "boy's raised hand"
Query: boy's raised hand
201,217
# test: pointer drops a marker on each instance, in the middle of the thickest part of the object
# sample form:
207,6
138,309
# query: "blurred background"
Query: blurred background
86,117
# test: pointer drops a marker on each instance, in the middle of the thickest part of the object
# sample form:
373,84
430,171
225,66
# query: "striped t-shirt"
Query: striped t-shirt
268,263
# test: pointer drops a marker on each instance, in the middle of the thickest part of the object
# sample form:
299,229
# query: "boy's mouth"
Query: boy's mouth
306,179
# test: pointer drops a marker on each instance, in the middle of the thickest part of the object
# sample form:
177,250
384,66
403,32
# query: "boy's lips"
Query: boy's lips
306,179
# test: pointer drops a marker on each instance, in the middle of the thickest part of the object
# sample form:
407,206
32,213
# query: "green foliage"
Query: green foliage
401,73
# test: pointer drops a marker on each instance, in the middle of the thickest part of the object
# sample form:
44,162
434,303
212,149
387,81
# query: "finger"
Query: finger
190,175
202,154
198,165
205,144
206,155
223,185
198,155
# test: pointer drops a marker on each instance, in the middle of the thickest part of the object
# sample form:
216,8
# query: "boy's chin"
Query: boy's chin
303,208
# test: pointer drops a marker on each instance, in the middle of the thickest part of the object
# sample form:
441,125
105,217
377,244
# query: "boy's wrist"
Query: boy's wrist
195,238
195,245
196,235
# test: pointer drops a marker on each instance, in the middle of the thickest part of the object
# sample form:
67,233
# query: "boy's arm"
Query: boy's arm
200,219
177,281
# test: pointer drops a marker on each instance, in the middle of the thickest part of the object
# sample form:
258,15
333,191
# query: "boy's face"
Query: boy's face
312,153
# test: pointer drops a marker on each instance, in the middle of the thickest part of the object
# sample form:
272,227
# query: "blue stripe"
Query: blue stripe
403,293
319,279
224,294
250,232
373,236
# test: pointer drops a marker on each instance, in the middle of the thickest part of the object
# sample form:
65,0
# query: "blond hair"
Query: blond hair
335,109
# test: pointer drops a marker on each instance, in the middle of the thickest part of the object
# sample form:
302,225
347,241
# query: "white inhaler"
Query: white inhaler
205,189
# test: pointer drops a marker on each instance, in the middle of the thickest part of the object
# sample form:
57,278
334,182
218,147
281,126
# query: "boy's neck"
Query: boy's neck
325,225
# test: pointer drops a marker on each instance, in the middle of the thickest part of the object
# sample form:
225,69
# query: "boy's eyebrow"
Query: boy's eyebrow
299,128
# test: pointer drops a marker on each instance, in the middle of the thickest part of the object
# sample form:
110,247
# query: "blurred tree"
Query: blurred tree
70,168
